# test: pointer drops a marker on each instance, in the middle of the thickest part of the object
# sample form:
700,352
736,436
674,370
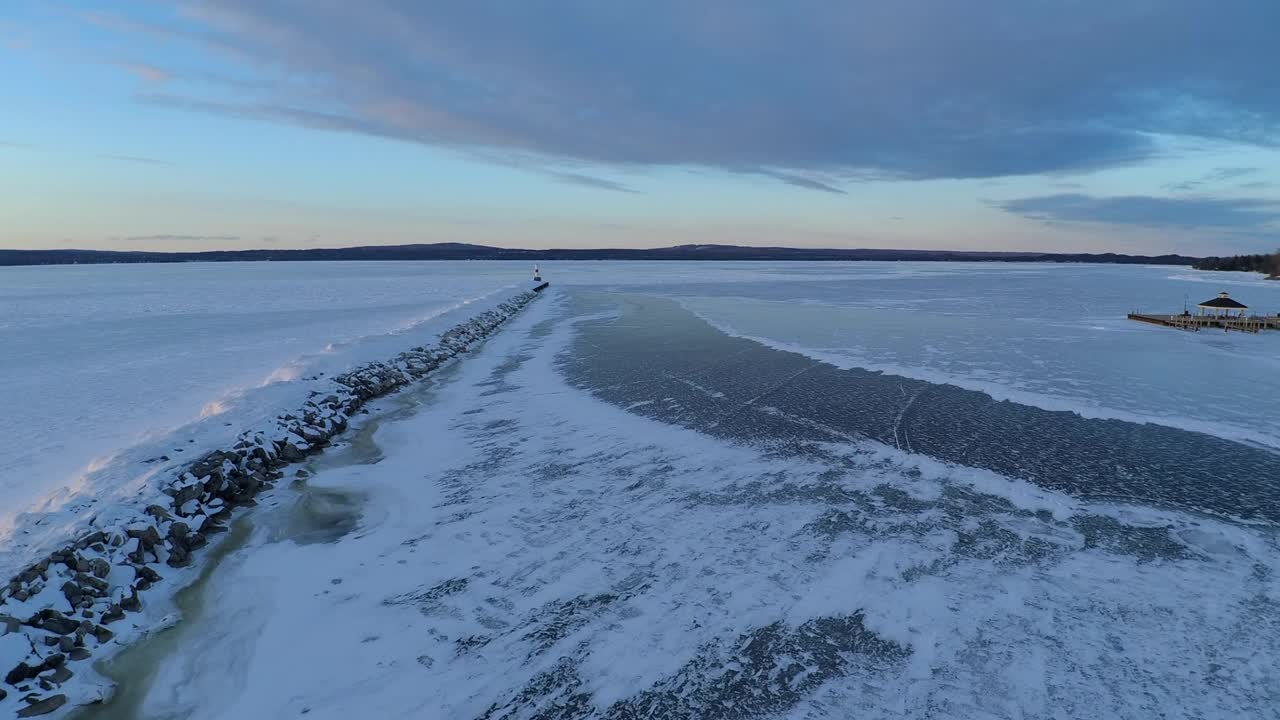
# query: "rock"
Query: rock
302,473
61,674
102,634
66,643
22,672
43,707
178,557
72,592
100,568
90,585
179,530
146,573
78,654
55,622
3,694
290,453
132,603
53,661
192,491
112,614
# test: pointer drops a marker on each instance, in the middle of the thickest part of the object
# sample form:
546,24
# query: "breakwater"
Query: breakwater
57,612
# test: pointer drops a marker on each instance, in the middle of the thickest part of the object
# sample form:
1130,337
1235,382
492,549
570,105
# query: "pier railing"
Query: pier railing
1195,323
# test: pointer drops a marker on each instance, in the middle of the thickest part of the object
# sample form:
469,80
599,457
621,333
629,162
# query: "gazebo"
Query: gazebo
1222,306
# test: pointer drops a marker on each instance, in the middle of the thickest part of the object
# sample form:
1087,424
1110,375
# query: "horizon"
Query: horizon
606,249
235,125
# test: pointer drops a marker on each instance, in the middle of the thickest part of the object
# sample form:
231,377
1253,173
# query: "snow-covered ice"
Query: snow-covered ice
532,540
527,550
117,374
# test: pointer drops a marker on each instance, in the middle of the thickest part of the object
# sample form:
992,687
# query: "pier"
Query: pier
1242,323
1220,313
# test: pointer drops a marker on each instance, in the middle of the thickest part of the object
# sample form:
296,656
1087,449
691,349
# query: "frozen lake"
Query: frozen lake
103,364
617,510
108,366
690,489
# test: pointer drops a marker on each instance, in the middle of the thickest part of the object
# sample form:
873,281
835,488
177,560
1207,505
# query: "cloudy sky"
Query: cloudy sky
1066,125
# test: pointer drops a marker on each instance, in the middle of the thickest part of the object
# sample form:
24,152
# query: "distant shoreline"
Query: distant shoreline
461,251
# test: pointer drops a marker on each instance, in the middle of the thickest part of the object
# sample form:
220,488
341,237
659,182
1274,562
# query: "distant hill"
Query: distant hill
1269,264
461,251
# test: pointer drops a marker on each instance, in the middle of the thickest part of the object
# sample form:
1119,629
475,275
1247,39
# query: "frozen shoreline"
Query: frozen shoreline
529,548
55,612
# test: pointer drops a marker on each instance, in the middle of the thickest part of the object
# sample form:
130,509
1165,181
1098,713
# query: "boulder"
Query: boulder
178,557
146,573
290,452
61,674
71,592
21,672
43,707
54,622
100,568
112,614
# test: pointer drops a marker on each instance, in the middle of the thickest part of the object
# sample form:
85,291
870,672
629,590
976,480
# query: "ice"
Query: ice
116,374
528,550
1051,336
676,536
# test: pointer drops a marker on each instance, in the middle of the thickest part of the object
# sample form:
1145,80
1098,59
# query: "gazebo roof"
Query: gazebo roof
1224,301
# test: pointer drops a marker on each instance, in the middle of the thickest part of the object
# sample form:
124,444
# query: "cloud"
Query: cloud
1218,175
147,72
589,181
1148,211
837,90
809,183
136,159
177,238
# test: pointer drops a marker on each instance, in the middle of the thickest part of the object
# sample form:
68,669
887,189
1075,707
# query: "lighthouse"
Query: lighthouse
537,276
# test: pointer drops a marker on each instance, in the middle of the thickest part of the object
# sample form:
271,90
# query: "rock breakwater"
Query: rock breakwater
57,612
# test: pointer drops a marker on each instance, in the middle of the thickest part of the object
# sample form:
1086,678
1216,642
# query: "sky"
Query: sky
1142,126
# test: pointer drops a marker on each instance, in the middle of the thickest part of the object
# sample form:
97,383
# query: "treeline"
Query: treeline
1269,264
460,251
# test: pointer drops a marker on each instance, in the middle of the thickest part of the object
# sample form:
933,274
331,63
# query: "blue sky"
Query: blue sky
1125,125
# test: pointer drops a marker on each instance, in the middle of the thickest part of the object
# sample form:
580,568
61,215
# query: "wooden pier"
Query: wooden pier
1196,323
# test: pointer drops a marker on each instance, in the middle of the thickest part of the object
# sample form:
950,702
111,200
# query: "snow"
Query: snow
1051,336
110,369
525,546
